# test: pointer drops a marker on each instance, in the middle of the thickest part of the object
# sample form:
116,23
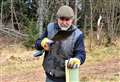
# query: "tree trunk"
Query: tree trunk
12,14
1,12
67,2
91,23
76,11
40,16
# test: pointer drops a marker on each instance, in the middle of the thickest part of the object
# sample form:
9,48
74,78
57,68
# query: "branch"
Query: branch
13,32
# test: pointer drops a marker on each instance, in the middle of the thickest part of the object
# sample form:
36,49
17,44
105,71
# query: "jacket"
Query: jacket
64,49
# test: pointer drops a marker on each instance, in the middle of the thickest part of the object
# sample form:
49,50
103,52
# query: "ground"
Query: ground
18,65
107,71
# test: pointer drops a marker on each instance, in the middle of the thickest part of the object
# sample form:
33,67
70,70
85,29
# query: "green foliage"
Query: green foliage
33,33
24,15
24,11
20,10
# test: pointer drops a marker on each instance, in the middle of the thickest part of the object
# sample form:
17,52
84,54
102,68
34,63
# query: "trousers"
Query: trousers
49,80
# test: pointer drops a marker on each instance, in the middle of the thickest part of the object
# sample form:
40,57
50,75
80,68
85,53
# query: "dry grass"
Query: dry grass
101,54
16,60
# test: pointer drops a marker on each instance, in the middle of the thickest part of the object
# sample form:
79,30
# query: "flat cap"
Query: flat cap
65,11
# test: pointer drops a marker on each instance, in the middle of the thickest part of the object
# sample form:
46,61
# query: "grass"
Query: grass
16,59
101,54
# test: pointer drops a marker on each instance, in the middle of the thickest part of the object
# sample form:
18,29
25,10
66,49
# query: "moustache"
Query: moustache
62,25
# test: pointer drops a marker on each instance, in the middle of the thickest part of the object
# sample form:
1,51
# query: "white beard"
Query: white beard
64,28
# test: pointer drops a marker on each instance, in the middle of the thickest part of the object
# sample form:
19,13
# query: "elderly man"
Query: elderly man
61,41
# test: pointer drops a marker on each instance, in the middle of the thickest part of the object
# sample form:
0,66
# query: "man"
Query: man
61,41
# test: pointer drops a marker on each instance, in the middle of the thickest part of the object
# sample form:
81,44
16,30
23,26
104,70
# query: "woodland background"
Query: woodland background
23,21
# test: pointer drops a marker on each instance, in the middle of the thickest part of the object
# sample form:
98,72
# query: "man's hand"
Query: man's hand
73,63
44,44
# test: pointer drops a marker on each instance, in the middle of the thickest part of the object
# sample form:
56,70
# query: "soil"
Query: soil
106,70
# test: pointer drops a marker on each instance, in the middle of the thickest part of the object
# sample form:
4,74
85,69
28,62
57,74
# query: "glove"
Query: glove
44,44
73,63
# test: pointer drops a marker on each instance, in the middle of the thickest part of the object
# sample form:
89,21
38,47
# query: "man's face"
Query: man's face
64,23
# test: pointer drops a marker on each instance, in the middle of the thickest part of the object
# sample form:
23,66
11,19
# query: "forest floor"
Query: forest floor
17,64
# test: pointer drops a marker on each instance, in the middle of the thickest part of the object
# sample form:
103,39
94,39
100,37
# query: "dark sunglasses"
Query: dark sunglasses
64,18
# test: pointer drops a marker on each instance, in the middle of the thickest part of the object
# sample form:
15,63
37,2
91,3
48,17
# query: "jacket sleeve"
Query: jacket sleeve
79,49
38,41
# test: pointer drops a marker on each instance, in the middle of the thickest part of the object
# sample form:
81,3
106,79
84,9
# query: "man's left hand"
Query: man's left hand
73,63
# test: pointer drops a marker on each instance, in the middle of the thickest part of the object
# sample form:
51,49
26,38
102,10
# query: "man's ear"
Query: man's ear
56,20
73,22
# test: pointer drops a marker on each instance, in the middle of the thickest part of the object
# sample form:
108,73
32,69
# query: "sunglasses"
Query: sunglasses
64,18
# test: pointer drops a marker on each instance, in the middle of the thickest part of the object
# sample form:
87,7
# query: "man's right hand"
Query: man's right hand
44,44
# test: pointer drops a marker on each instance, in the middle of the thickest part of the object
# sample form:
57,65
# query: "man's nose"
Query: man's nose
64,21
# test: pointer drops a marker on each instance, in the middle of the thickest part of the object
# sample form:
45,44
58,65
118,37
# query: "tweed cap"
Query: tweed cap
65,11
